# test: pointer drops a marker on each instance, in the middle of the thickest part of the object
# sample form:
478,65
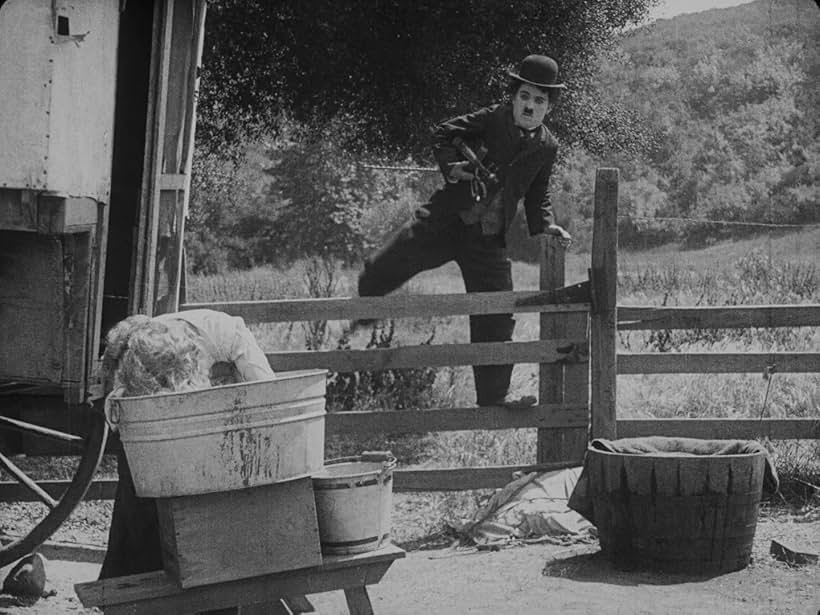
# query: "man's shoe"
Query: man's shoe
515,403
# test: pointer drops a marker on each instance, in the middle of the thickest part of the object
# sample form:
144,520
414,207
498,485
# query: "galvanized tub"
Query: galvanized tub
224,438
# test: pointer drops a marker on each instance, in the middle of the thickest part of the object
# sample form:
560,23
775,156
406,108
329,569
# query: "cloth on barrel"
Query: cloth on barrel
531,506
581,501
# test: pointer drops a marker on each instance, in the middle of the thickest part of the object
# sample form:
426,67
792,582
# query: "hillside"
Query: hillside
731,96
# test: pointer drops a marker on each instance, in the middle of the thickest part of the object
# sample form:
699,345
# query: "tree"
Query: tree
401,65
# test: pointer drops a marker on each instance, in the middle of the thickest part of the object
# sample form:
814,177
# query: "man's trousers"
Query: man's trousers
430,240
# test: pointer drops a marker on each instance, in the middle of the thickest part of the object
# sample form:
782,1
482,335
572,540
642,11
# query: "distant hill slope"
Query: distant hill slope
732,97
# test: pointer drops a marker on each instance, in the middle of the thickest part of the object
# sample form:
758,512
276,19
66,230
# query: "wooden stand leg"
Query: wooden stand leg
298,604
276,607
358,602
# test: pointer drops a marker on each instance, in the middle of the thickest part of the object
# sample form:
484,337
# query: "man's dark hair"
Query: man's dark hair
552,93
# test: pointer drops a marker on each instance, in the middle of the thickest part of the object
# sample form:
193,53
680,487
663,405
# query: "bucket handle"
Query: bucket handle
385,456
387,459
113,411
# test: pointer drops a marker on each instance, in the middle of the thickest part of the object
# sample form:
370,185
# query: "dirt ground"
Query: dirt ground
544,579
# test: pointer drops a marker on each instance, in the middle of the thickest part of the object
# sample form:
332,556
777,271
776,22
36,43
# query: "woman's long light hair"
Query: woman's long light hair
144,357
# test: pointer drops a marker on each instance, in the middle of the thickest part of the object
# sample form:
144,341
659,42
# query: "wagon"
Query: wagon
97,107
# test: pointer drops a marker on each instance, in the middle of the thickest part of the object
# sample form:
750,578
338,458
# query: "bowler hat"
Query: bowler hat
541,71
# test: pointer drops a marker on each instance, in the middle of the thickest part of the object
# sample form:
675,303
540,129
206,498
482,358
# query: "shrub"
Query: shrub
390,389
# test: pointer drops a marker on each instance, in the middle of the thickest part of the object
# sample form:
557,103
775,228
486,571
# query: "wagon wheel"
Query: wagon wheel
91,447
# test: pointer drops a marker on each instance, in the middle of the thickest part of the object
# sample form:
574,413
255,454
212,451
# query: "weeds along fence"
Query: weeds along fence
577,388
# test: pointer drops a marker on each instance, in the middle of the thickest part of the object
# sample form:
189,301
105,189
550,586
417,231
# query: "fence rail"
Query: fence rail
719,429
543,416
401,305
577,388
717,362
631,318
432,355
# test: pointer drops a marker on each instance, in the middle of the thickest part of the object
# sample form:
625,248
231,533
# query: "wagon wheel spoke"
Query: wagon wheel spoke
25,480
40,430
91,447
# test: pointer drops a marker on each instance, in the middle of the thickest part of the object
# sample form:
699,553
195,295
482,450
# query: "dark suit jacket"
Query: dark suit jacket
524,164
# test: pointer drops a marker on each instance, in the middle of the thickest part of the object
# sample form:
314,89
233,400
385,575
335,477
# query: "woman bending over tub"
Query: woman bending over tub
182,351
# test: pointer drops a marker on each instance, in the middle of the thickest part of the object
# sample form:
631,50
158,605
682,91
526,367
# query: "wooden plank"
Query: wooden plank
552,267
604,277
77,280
57,135
155,592
262,608
358,602
196,42
546,416
32,299
26,73
17,213
563,384
100,251
299,604
58,214
632,318
460,479
81,119
261,530
142,296
574,440
435,355
392,306
47,214
774,429
172,179
717,362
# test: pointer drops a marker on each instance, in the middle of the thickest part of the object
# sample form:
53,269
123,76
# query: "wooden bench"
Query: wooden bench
156,592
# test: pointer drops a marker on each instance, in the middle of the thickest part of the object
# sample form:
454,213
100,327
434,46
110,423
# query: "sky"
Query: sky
670,8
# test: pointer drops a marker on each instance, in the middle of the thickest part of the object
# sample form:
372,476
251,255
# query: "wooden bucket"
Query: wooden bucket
354,501
692,514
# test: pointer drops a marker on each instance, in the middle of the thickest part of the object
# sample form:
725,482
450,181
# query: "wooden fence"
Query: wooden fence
577,391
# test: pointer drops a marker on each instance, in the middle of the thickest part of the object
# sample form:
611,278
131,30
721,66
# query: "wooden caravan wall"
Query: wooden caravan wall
57,78
57,73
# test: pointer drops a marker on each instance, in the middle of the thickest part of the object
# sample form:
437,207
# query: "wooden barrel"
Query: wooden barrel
692,514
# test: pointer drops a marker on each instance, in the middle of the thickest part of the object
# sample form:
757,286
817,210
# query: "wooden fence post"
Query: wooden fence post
604,274
559,383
